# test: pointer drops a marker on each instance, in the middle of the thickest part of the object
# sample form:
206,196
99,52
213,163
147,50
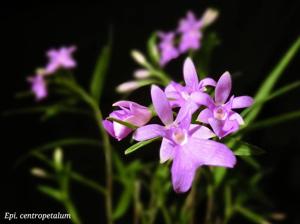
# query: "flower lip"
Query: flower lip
185,95
179,136
220,113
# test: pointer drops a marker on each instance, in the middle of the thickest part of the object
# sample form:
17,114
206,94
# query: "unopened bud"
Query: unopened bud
138,57
209,16
40,71
141,74
127,87
38,172
58,157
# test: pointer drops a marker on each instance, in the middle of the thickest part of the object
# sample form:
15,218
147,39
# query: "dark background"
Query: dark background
254,35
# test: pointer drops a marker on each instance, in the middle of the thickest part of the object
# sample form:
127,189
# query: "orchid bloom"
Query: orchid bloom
61,58
167,48
219,113
130,112
190,29
190,96
184,143
38,86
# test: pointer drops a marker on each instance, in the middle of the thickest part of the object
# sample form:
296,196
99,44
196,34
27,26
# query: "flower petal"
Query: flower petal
211,153
201,132
207,82
237,117
123,103
202,99
230,126
190,74
205,115
217,126
148,132
116,130
223,88
108,126
183,171
242,102
188,108
166,150
121,131
161,105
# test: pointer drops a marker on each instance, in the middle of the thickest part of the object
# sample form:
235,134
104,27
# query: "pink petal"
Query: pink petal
205,115
116,130
161,105
211,153
120,131
201,132
217,126
242,102
148,132
186,109
190,74
223,88
207,82
166,150
202,99
108,127
230,126
237,117
122,103
183,171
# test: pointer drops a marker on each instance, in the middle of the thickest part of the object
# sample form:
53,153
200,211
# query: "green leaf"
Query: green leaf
74,175
219,174
152,48
251,216
23,94
274,120
52,192
279,92
49,111
100,71
124,201
131,126
139,145
118,163
252,162
228,201
267,86
59,143
203,57
242,148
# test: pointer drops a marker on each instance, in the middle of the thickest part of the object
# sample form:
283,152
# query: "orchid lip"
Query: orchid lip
179,136
220,113
185,95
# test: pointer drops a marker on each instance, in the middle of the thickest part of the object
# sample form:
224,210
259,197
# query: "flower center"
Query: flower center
179,136
220,113
185,95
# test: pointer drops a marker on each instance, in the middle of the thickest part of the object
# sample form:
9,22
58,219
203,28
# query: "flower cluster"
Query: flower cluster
58,59
187,142
188,36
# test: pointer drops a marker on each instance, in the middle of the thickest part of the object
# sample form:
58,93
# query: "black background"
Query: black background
254,35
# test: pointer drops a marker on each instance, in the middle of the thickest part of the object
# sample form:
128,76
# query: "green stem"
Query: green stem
107,147
190,202
90,183
74,175
162,76
166,214
210,198
72,211
137,203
